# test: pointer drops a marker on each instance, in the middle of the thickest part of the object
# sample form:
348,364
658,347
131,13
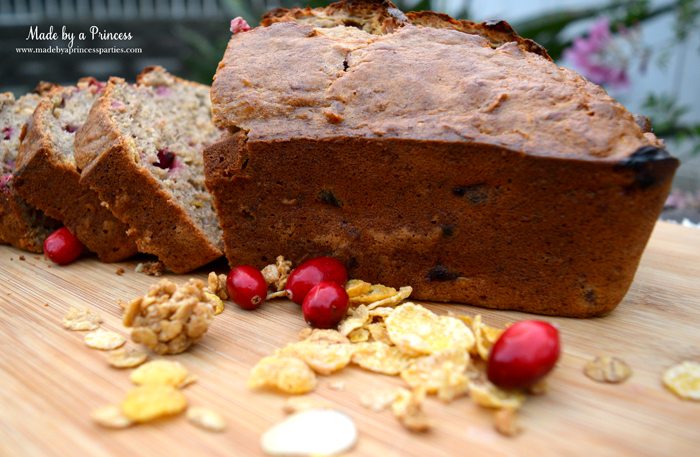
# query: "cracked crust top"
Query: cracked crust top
380,17
343,81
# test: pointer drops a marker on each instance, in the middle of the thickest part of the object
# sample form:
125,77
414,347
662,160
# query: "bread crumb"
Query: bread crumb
505,422
22,258
151,268
119,271
336,385
217,285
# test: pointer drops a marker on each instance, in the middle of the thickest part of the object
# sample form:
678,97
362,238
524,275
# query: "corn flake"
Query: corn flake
433,372
684,380
152,401
607,369
295,404
378,400
110,416
381,312
417,330
327,336
358,317
206,419
324,358
380,358
376,292
378,332
505,422
126,357
485,394
395,299
81,320
287,374
104,340
485,336
160,372
408,409
357,287
359,335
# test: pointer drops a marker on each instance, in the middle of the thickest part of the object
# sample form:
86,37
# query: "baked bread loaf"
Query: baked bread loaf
21,225
433,155
48,179
141,150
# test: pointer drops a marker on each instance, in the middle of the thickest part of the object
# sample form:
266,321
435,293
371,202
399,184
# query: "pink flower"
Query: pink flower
591,55
239,25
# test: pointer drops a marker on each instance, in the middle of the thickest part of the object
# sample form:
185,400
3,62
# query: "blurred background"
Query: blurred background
646,53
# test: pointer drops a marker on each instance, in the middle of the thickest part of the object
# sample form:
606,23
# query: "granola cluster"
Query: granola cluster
170,318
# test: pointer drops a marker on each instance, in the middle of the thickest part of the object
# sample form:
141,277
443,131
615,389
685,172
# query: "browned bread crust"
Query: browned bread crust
48,179
21,225
108,158
382,16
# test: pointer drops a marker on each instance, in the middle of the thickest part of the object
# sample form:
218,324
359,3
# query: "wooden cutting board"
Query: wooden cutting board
50,381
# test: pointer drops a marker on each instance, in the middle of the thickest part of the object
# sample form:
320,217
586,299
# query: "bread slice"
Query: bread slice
141,150
48,179
21,225
437,154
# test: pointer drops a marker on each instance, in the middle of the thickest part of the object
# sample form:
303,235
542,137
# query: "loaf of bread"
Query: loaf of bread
450,156
140,149
48,179
21,225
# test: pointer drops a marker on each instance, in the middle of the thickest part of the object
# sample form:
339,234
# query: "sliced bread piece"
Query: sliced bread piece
48,178
141,150
21,225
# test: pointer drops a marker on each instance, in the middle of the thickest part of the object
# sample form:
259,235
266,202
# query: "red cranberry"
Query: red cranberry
70,128
523,355
165,159
7,132
325,305
312,272
62,247
239,25
246,286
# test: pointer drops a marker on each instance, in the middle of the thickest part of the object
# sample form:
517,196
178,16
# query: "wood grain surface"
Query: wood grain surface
50,381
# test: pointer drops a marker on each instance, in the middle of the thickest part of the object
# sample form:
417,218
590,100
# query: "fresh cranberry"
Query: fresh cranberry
165,159
246,286
70,128
7,132
62,247
325,305
312,272
524,354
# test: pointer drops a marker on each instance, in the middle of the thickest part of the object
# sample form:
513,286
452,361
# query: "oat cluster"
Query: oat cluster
170,318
